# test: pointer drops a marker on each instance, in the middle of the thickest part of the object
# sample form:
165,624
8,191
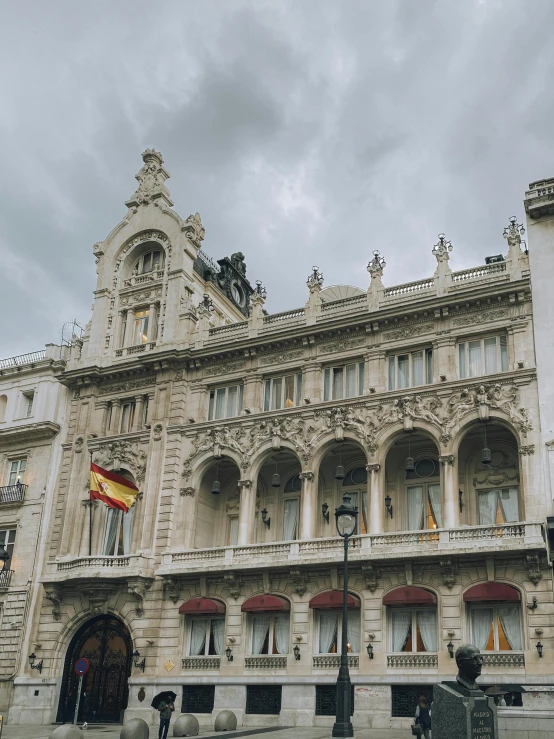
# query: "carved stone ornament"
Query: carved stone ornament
78,445
54,595
281,357
259,295
234,583
365,422
533,568
449,571
194,230
157,432
116,454
306,475
315,280
526,450
138,588
446,459
513,233
300,580
98,596
376,265
371,574
151,178
187,492
172,587
442,249
374,468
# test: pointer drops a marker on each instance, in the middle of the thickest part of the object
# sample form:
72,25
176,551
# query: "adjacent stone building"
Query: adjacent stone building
243,431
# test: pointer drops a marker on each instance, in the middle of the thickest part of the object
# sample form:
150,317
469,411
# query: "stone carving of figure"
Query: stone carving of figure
458,405
470,663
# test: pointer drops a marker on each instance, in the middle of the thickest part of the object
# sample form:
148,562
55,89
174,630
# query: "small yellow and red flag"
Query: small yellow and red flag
112,489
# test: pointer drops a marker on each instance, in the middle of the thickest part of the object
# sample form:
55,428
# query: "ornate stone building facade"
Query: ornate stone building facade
243,431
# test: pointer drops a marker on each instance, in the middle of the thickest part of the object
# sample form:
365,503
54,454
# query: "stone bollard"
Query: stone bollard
186,725
225,721
136,728
66,731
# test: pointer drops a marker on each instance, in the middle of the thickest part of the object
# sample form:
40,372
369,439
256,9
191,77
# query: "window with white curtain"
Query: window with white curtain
270,633
206,636
329,631
345,381
413,629
127,416
291,513
283,392
424,506
17,471
118,532
352,485
410,369
500,505
140,327
225,402
495,627
485,356
232,531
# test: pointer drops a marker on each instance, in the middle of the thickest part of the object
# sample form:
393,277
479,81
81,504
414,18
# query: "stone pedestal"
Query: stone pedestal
457,713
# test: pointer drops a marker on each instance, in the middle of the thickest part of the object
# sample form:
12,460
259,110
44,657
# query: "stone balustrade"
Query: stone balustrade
201,663
504,659
266,662
332,661
410,660
88,568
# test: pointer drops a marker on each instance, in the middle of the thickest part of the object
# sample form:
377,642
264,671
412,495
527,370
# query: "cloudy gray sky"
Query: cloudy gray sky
304,132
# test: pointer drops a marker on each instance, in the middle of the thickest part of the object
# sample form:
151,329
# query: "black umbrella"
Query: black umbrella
168,696
496,690
514,688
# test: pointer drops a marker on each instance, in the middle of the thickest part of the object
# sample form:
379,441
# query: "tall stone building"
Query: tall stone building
243,431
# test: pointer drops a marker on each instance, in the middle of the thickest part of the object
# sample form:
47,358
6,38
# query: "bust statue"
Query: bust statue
470,662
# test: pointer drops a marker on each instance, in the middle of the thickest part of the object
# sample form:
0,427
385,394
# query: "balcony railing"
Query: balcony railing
265,662
504,659
5,578
94,562
332,661
381,546
13,493
30,358
201,663
136,349
411,661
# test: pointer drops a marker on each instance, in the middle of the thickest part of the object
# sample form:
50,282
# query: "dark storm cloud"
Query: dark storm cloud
303,132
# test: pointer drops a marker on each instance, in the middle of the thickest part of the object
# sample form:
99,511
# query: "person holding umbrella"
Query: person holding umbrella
164,703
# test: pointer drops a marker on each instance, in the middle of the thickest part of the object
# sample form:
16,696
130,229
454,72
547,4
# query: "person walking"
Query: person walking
165,708
423,716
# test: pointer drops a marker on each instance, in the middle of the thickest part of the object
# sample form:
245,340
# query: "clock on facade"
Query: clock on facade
236,293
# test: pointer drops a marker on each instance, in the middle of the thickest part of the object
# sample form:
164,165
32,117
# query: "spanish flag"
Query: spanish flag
113,490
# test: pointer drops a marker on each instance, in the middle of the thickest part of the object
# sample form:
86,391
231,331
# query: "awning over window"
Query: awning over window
262,603
410,596
201,606
491,591
332,599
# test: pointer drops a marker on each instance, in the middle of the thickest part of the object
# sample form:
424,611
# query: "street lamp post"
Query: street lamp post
345,517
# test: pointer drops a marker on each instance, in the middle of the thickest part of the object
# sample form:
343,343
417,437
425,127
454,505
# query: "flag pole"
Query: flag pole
90,515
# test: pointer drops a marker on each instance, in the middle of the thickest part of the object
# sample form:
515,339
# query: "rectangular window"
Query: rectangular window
233,531
500,505
330,632
357,496
118,532
198,699
410,369
17,471
342,382
225,402
424,506
263,699
206,636
283,392
485,356
7,541
413,629
496,628
140,327
127,417
270,633
291,509
28,400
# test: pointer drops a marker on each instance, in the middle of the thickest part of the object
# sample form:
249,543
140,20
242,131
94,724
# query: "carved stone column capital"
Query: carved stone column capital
373,468
526,450
244,484
445,459
307,475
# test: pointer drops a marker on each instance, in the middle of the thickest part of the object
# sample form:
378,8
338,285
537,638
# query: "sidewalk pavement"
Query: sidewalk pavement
113,731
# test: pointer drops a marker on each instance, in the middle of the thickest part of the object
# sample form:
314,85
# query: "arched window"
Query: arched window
494,617
205,622
327,609
151,261
412,614
356,482
3,404
269,619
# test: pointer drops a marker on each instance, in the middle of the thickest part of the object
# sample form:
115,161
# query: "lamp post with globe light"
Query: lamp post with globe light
346,516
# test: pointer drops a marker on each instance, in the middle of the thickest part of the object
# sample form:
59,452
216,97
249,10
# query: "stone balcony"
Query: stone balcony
98,568
470,540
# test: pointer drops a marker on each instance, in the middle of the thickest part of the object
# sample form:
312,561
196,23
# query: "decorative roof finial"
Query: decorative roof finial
194,230
315,280
151,179
442,249
376,265
259,295
514,232
206,307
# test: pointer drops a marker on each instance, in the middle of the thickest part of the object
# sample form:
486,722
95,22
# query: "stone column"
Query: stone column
253,395
105,406
247,512
451,514
152,323
376,523
116,416
127,338
309,505
375,380
139,413
444,360
312,382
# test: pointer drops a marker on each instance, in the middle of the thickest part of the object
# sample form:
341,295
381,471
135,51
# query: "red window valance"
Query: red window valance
201,606
410,596
332,599
491,591
262,603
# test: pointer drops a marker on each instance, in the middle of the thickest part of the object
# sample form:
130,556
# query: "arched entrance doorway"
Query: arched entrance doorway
105,641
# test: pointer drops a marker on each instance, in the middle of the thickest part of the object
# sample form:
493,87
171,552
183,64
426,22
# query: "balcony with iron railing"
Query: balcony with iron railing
5,578
13,493
470,540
